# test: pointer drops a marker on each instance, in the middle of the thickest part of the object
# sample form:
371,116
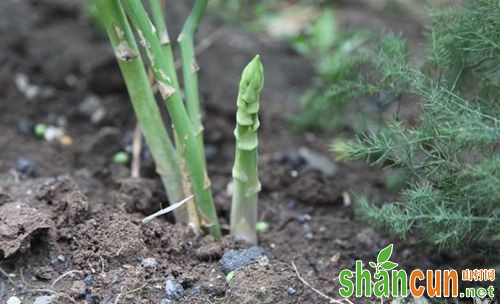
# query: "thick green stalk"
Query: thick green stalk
246,185
190,67
159,21
141,95
180,119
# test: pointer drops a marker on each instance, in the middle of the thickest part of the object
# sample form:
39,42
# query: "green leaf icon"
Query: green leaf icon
373,264
384,254
389,265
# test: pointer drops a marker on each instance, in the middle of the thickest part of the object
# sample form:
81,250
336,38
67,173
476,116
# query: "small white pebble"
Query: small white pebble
53,133
13,300
148,263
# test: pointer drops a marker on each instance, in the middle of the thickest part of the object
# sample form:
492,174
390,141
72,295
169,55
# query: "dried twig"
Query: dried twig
322,294
131,291
71,272
166,210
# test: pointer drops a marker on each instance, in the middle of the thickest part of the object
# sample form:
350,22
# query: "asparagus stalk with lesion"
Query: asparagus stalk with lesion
177,112
134,73
246,185
158,18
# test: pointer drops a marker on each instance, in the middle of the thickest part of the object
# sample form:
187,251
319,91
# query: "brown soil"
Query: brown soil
74,231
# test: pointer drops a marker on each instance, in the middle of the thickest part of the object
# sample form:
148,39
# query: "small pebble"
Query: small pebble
26,166
91,222
210,152
234,259
61,258
291,205
89,299
293,159
78,289
148,263
197,290
53,133
93,108
291,290
43,300
303,218
66,140
173,290
26,126
165,301
13,300
88,280
309,236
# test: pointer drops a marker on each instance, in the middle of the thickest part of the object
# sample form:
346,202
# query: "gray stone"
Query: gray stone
13,300
148,263
44,300
235,259
173,289
92,107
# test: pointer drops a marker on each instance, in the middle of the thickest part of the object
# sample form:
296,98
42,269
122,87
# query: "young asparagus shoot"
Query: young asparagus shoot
246,185
132,68
181,123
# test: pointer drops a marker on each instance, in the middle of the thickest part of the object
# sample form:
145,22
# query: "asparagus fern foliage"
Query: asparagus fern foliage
453,198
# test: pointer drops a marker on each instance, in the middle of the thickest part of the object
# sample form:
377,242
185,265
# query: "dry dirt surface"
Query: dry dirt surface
70,220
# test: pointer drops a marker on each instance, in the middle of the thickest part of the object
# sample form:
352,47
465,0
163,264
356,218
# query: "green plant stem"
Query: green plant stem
159,22
190,67
157,8
141,95
180,119
246,185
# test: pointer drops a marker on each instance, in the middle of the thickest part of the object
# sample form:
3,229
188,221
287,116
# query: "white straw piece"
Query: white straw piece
166,210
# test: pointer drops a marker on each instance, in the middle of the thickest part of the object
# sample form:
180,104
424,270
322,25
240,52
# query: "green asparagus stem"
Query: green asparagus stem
157,8
180,119
162,32
190,68
246,185
141,95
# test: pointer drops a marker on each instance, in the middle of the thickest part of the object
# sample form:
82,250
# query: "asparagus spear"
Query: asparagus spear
246,185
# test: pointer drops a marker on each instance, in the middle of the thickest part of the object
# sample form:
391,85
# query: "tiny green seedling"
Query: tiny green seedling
262,227
40,129
121,158
229,277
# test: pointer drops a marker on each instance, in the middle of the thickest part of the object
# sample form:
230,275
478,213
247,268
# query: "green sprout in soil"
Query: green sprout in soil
246,185
451,154
180,164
